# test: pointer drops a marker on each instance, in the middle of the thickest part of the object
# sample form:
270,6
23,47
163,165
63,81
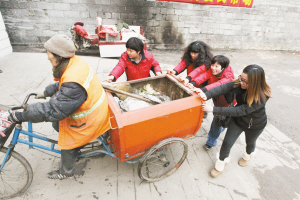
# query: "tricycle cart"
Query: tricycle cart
160,128
153,135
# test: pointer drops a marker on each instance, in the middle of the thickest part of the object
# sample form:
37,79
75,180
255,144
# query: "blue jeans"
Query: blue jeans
214,133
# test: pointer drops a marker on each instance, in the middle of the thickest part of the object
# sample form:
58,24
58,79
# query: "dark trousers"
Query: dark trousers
233,132
68,157
68,160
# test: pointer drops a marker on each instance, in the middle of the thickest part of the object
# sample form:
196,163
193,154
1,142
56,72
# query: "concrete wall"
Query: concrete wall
269,25
5,46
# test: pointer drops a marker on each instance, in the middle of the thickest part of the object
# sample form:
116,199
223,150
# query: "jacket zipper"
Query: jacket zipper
250,123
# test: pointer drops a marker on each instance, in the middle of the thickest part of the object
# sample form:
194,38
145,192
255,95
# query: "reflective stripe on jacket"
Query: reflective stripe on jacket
92,118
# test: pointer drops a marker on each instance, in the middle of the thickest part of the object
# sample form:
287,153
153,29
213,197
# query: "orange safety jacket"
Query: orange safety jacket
92,118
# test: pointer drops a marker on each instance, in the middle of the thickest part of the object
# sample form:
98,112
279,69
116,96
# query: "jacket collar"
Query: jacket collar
225,70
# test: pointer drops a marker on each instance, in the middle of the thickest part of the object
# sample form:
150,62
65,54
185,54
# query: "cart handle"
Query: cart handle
111,125
190,87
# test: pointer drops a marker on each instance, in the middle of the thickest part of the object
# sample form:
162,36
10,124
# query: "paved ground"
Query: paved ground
272,174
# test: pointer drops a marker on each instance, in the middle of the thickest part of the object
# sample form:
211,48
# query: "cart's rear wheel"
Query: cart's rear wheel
163,159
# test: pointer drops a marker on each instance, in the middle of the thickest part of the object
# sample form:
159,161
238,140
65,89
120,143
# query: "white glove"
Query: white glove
40,95
5,123
110,78
170,71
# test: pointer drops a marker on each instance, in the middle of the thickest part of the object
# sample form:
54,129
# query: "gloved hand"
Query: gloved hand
170,71
5,122
110,78
158,73
40,95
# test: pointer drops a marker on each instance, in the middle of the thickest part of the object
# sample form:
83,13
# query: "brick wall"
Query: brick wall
5,46
269,25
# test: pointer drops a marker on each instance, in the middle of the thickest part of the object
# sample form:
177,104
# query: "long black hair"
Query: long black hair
204,57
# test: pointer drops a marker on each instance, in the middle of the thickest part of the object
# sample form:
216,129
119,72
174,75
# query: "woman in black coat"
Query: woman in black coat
249,114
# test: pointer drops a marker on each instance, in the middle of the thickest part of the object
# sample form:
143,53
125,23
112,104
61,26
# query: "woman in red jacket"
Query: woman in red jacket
136,62
220,73
196,56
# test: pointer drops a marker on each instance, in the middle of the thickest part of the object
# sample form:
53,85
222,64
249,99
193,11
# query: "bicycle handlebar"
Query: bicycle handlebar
25,101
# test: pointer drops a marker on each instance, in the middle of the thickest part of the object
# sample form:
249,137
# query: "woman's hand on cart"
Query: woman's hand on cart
171,71
110,78
184,80
207,108
189,85
158,73
200,93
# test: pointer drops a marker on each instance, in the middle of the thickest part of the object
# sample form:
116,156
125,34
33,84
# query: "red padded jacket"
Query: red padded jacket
182,66
213,81
136,71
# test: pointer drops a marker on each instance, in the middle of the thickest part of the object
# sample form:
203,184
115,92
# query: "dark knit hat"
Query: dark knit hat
61,45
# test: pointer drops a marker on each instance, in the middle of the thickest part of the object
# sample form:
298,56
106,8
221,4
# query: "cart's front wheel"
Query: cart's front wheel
16,175
163,159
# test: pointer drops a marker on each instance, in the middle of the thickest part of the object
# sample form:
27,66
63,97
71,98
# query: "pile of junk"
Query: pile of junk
110,39
130,98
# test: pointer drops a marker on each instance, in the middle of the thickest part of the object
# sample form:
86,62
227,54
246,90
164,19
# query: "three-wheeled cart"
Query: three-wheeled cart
157,131
152,136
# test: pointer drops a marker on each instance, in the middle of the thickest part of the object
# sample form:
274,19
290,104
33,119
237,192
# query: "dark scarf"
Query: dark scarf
58,70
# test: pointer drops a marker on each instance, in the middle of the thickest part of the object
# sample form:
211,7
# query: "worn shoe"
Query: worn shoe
219,166
58,175
207,147
214,173
243,162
